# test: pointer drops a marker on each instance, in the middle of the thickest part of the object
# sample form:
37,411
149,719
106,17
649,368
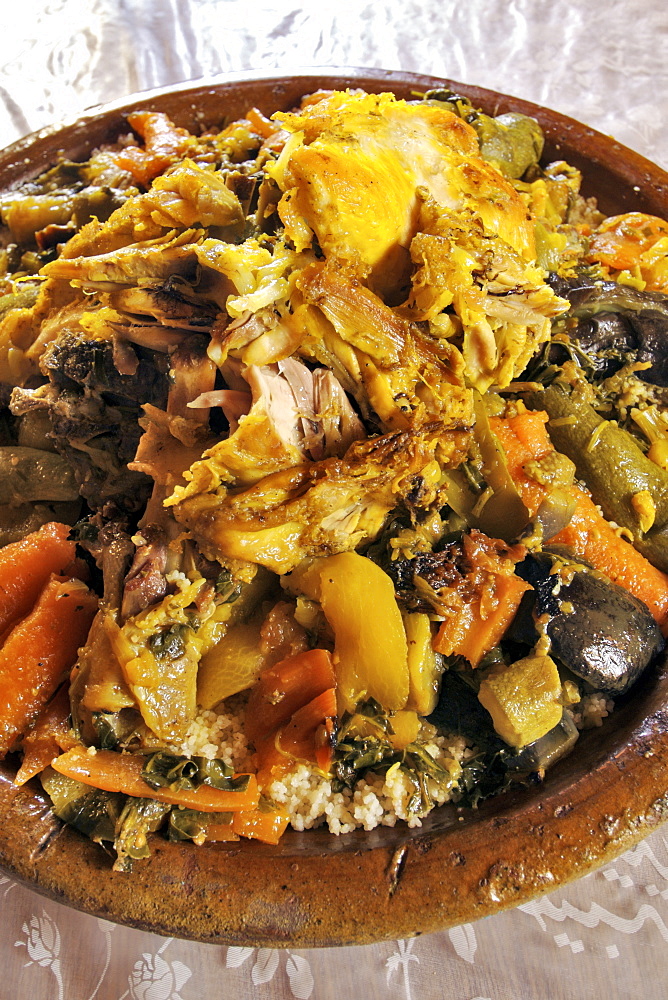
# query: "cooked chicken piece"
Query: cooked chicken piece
154,259
233,402
281,426
192,373
404,378
319,508
501,302
172,303
358,315
358,166
174,438
105,323
328,423
259,276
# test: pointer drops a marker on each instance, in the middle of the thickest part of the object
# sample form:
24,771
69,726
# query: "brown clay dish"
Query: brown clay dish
315,889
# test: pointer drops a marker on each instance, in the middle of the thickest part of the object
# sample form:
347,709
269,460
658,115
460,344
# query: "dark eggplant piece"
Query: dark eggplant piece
459,712
536,757
597,629
617,324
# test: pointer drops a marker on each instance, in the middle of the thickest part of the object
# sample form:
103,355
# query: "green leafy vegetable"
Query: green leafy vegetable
139,818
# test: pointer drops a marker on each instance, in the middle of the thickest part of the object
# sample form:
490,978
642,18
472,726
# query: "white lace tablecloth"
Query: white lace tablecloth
603,936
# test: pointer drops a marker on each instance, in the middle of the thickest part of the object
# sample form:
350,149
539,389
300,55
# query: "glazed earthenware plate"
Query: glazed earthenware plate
315,889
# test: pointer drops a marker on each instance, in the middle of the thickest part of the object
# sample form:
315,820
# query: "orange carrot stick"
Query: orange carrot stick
262,823
164,142
121,772
304,737
620,239
47,737
588,534
472,632
26,565
39,650
286,687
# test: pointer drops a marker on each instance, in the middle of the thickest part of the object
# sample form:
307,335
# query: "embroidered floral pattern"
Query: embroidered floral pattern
42,941
266,964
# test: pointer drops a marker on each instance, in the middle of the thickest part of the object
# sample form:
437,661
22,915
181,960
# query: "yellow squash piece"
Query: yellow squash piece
423,668
370,655
524,700
405,728
233,665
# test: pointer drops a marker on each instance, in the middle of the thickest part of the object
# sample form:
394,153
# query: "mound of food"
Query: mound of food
335,469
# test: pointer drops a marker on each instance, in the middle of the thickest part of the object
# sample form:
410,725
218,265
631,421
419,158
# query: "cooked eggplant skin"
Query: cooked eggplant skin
459,711
617,323
599,631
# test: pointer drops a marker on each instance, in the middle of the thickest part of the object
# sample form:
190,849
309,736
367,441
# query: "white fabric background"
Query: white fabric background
603,936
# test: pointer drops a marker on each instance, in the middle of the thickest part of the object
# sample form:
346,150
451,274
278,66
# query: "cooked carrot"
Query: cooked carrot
262,125
305,735
262,823
38,651
164,142
271,762
222,831
286,687
26,565
479,625
49,735
524,438
589,535
623,242
121,772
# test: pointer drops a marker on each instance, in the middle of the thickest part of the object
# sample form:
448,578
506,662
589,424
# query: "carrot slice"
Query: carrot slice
305,735
222,831
591,536
524,438
286,687
121,772
47,737
308,736
164,142
262,823
476,629
588,534
26,565
39,650
623,242
262,125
